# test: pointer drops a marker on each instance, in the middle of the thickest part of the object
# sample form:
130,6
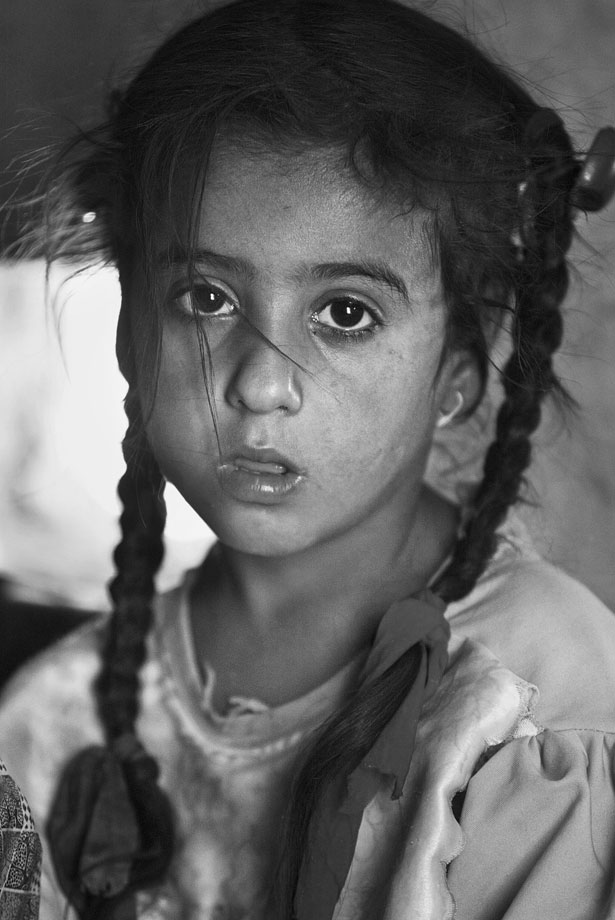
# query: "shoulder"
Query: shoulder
547,628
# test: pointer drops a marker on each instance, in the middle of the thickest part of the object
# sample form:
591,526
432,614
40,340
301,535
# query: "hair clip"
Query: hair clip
523,235
595,185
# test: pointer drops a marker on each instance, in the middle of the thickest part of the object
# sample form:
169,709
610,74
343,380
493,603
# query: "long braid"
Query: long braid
137,558
356,728
536,334
117,786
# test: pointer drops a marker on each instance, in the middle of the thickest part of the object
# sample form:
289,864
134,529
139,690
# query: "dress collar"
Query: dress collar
416,622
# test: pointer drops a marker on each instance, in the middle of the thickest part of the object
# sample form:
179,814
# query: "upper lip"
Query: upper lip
263,455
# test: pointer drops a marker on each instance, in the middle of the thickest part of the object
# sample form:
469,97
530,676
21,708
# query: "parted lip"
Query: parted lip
268,457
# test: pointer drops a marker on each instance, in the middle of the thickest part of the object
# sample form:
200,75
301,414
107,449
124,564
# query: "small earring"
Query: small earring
446,417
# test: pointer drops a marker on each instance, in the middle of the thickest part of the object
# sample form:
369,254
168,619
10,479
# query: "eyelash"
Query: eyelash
181,300
345,335
187,312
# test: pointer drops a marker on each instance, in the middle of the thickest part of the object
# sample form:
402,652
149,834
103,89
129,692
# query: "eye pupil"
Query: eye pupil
346,313
207,300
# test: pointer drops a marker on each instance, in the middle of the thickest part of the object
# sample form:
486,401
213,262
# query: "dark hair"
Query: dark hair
418,113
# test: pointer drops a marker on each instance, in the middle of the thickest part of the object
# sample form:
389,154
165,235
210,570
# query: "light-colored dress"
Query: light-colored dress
523,721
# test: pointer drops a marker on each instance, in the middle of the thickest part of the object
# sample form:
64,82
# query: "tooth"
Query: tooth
253,466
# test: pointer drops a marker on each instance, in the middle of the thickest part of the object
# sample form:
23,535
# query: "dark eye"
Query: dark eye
205,298
345,313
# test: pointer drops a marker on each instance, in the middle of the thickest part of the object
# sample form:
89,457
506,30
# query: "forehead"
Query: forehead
280,210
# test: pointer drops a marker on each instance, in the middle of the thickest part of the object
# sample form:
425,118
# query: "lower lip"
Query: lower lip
263,488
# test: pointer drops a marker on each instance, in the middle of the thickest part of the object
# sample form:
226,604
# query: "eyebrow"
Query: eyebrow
373,269
215,259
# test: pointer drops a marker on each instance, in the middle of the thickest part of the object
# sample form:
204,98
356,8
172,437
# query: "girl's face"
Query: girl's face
324,323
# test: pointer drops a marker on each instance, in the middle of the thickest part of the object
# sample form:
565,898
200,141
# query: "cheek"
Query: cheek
383,414
179,427
393,389
183,382
180,363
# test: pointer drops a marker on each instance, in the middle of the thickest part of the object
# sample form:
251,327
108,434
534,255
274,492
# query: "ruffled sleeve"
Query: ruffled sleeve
405,845
538,822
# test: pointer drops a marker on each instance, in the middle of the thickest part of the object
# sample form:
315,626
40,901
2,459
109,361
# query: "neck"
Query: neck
333,594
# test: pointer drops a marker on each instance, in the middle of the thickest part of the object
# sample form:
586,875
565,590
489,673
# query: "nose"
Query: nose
264,380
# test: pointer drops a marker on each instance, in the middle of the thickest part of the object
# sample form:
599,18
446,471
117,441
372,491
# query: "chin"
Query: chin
262,534
268,545
275,531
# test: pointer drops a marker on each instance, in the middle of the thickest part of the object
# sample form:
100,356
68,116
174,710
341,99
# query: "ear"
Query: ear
459,388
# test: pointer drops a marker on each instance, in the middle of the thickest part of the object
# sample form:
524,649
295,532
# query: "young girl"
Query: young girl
368,703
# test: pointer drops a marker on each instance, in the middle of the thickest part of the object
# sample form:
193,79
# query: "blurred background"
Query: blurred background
61,417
